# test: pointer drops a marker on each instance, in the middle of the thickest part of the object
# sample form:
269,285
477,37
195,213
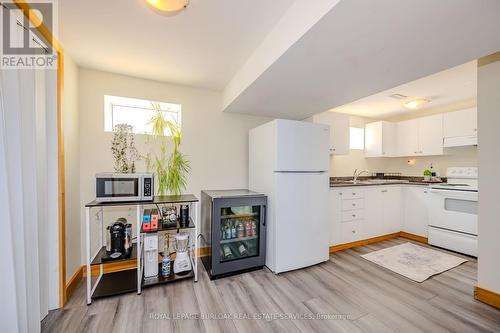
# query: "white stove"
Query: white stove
453,211
460,179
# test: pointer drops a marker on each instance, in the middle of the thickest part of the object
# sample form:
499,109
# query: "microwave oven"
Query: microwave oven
124,187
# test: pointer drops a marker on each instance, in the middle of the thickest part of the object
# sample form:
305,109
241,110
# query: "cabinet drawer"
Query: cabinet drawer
352,204
352,194
352,215
351,231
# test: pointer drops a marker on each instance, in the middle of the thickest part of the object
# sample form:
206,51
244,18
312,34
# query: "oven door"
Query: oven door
453,210
118,188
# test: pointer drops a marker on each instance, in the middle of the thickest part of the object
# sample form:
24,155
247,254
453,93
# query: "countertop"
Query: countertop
377,182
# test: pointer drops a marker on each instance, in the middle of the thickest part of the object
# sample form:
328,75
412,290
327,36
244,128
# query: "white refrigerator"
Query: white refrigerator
289,162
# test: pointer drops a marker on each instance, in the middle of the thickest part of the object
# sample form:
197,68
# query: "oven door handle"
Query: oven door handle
453,194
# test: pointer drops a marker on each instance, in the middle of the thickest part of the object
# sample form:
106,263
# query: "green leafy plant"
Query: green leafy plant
123,148
427,173
170,171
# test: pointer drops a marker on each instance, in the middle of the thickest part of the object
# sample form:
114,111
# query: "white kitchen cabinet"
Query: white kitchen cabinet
339,130
460,128
421,136
346,215
370,211
430,135
351,231
407,138
373,211
380,139
382,210
335,216
391,209
415,216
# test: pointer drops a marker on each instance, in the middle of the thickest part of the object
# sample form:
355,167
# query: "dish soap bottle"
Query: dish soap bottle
433,173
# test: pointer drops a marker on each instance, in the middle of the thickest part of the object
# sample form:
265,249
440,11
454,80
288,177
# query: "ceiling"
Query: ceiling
361,47
447,87
202,46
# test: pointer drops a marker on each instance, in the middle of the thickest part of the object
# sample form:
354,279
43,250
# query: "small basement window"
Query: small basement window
136,113
357,138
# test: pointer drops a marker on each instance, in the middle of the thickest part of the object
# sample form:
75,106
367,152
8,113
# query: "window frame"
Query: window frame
362,141
111,101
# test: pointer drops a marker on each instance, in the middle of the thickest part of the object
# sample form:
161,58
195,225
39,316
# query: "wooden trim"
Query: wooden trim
130,264
413,237
488,59
111,267
487,296
47,34
362,242
74,281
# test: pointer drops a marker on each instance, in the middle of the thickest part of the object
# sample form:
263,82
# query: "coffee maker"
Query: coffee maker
117,237
119,240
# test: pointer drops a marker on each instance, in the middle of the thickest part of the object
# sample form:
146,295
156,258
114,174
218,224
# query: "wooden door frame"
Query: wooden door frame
47,34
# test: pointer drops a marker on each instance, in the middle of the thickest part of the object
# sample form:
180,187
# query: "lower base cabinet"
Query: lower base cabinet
365,212
415,217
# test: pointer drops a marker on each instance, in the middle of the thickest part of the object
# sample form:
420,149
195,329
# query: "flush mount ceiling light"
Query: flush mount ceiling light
168,6
415,103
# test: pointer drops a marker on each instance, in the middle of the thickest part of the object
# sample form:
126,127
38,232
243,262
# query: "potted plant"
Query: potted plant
170,171
427,175
123,148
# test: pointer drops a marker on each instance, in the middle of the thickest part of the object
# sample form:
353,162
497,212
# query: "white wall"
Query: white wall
489,177
71,166
216,142
344,165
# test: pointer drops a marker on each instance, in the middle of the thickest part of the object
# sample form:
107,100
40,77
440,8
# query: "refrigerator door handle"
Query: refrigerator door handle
264,215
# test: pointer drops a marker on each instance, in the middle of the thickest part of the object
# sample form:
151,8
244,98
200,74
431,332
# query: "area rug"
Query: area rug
415,262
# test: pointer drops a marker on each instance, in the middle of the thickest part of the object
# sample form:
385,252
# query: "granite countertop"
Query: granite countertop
347,181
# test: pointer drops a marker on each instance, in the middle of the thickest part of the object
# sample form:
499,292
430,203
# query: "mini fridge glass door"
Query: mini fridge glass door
238,234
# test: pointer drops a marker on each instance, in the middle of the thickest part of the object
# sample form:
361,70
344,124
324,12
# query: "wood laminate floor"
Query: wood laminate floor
359,295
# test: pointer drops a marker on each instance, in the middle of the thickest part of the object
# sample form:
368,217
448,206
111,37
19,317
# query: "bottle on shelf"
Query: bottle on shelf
254,228
240,229
248,228
242,250
227,252
233,229
165,265
228,230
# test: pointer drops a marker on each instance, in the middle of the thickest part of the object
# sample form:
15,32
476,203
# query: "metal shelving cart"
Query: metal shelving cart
132,279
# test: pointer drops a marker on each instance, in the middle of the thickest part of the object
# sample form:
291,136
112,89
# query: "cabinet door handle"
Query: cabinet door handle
353,215
353,204
383,191
340,193
332,149
353,193
425,191
353,231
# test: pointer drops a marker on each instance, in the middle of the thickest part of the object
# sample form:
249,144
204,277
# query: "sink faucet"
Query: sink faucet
357,174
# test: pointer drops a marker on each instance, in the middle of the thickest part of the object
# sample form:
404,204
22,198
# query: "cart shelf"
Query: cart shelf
149,282
116,283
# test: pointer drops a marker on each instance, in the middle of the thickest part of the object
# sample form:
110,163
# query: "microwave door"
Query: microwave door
112,189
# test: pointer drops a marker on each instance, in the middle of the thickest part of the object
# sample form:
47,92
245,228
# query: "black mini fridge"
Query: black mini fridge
233,228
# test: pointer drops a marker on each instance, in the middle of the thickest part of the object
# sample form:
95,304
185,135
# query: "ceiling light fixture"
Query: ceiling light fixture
415,103
169,6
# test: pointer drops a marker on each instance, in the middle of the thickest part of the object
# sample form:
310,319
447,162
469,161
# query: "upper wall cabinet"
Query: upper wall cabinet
421,136
460,128
339,130
380,139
